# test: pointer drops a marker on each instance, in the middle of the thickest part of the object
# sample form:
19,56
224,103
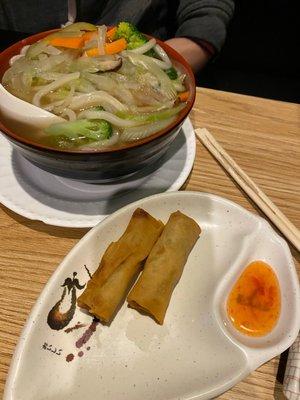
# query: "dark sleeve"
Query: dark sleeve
204,20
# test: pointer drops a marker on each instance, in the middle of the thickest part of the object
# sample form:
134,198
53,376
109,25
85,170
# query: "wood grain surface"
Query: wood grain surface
263,138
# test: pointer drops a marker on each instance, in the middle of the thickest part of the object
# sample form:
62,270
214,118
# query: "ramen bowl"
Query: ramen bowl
105,164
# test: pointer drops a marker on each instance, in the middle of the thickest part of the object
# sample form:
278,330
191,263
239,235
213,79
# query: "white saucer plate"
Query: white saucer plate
196,354
40,195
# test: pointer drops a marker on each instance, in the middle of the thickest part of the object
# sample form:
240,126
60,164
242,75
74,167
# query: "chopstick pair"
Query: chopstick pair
285,226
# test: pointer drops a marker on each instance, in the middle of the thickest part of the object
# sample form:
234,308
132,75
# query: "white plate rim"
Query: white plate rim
76,221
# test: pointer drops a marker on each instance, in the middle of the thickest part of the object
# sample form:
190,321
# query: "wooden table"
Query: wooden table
261,135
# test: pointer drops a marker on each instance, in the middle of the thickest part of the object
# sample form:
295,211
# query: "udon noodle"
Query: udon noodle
109,85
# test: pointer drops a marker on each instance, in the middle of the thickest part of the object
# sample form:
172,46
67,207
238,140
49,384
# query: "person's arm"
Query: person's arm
201,29
197,55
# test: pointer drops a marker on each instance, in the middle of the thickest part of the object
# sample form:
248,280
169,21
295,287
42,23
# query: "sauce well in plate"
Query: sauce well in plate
254,303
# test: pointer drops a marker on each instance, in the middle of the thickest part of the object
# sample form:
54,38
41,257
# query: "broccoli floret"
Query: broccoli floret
95,129
172,73
133,37
136,40
131,34
125,30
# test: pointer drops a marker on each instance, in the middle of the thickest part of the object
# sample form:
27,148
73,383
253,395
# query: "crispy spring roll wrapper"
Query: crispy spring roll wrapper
119,264
153,290
105,300
114,255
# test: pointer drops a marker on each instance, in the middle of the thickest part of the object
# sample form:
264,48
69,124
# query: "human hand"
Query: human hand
196,55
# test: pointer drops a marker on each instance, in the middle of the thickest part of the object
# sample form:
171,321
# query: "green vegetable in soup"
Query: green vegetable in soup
151,53
38,81
172,73
96,129
131,34
59,94
64,142
151,117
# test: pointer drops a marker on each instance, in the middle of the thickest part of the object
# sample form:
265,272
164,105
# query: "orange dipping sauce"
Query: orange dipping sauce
253,305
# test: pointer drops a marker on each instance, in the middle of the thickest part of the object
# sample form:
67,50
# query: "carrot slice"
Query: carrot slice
111,33
93,35
183,96
87,36
110,48
68,42
94,52
116,46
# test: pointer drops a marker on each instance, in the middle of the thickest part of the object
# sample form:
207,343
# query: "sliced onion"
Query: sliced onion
145,98
51,76
15,58
53,105
161,64
113,119
132,85
84,86
52,50
124,95
108,84
151,108
42,57
96,98
147,62
140,132
90,44
27,79
101,81
67,99
102,143
178,86
181,77
145,47
24,49
101,39
164,63
52,61
35,49
162,54
70,114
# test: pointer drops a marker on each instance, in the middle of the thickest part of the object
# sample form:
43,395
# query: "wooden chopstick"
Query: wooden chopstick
253,191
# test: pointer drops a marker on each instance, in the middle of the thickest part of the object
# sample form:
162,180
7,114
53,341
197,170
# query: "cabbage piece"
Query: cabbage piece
35,49
79,26
151,117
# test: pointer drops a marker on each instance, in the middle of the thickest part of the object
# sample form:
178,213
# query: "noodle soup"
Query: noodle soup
110,87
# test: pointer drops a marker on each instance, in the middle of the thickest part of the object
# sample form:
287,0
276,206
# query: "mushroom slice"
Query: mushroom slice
108,63
97,64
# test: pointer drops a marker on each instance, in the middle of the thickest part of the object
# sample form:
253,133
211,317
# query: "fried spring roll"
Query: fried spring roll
152,292
105,300
120,263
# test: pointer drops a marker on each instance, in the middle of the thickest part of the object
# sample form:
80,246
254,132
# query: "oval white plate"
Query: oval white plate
196,354
39,195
